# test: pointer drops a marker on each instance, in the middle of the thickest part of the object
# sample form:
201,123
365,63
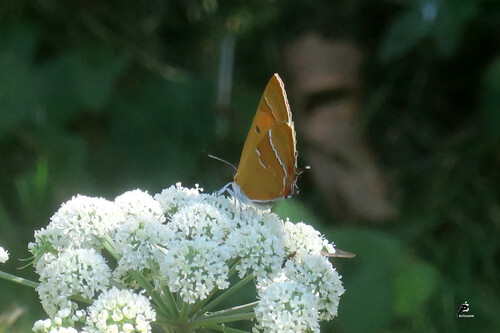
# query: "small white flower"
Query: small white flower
225,204
286,307
141,205
133,310
138,241
42,325
62,323
321,279
201,219
81,272
77,224
257,242
172,198
302,239
4,255
195,267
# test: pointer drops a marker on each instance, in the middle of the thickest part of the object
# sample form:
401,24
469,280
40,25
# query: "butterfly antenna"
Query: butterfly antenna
222,160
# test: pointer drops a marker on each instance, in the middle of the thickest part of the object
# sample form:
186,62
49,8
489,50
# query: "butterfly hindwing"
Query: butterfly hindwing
270,169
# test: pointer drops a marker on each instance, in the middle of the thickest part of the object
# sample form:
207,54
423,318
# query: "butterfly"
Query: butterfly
268,165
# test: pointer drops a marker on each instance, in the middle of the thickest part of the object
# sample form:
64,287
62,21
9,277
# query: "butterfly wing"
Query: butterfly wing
273,108
268,164
270,168
338,254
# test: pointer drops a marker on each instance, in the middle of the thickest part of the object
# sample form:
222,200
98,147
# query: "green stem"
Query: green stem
161,312
108,244
80,298
162,320
226,294
171,301
232,266
210,320
144,283
19,280
164,293
184,312
223,328
233,310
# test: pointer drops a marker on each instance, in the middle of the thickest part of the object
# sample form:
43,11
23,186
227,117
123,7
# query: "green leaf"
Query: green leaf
19,96
367,305
79,80
414,285
451,21
404,34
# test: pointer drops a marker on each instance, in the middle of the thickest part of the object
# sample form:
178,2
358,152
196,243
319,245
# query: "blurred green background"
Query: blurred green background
100,97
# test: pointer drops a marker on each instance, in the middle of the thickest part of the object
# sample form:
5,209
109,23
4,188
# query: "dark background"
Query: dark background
100,97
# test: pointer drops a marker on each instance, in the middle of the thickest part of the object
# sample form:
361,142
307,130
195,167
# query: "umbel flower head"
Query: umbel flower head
4,255
172,259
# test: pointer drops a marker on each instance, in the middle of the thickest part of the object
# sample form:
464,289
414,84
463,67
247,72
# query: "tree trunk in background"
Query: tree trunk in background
326,94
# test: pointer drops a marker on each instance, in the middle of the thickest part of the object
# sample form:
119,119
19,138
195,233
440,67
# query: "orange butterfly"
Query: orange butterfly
268,163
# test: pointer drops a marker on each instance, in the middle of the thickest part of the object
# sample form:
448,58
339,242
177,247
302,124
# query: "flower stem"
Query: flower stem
232,267
233,310
227,293
144,283
210,320
107,242
234,314
170,301
162,320
223,328
184,312
17,279
163,304
164,293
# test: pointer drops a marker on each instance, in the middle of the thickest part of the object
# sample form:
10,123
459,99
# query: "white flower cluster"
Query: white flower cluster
305,293
139,243
303,239
212,230
201,219
183,241
195,267
257,242
140,235
68,254
77,224
287,307
4,255
308,288
318,275
74,272
140,204
177,196
120,311
62,322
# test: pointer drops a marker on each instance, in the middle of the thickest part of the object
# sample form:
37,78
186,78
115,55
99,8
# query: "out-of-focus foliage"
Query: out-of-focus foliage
97,97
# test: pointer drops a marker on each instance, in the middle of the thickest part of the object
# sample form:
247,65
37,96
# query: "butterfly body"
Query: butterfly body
268,165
